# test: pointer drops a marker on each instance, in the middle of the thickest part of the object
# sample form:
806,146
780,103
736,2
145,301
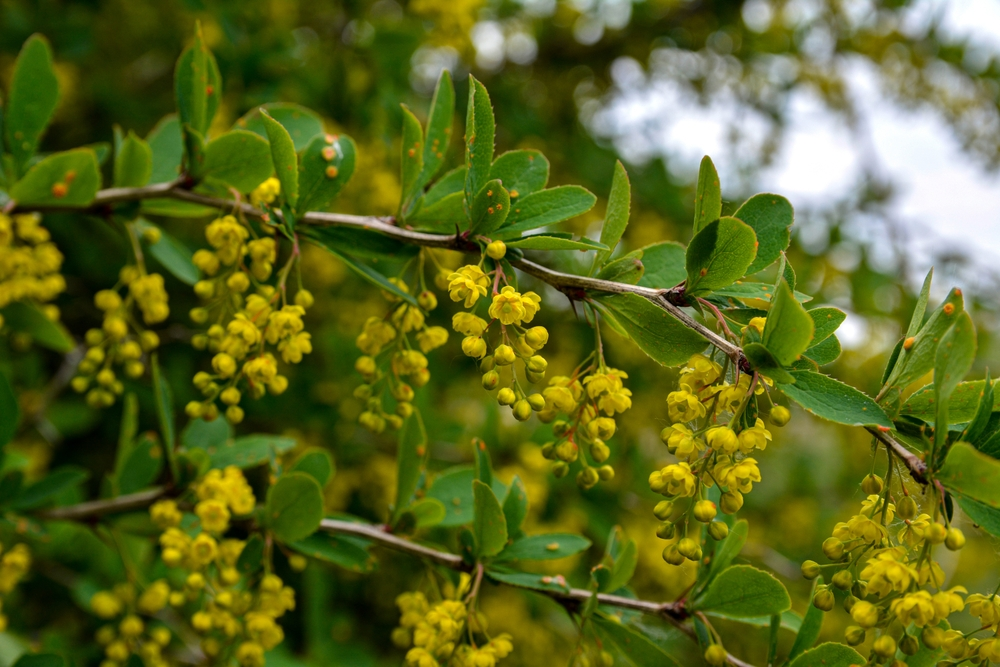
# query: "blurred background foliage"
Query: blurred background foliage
549,66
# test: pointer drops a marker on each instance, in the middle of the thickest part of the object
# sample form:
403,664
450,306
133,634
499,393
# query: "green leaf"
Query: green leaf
411,157
164,412
40,660
321,179
789,328
372,276
544,547
955,354
286,162
719,255
616,218
789,620
912,364
632,648
203,434
449,184
546,242
770,217
751,290
69,179
251,559
141,467
294,507
10,412
490,208
825,352
34,94
336,549
411,460
454,489
302,124
240,159
133,162
249,451
488,524
27,318
971,474
197,85
316,462
826,321
484,467
173,255
515,507
664,265
621,555
831,399
194,151
829,655
544,208
167,145
917,319
742,591
48,487
811,626
428,512
728,549
984,516
479,131
359,242
439,123
627,269
962,404
762,361
445,215
522,172
979,424
538,582
707,195
660,336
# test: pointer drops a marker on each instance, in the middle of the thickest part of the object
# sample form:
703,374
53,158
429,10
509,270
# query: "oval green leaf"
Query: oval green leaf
294,507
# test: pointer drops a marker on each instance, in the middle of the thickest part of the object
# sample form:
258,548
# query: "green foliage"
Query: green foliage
302,124
545,207
971,474
744,591
321,177
479,131
770,217
707,196
10,412
197,85
830,399
69,179
523,171
544,547
348,553
411,460
133,162
26,318
828,655
317,463
241,160
719,255
663,338
294,507
286,164
630,646
31,101
789,328
809,632
489,526
172,255
489,209
616,218
663,265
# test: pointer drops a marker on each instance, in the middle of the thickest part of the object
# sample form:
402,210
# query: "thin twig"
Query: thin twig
95,509
916,465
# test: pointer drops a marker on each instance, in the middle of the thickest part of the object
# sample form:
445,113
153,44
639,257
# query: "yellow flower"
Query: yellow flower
986,609
608,381
293,347
916,608
266,192
510,307
164,514
468,324
154,598
105,604
432,338
151,297
699,372
722,438
203,550
214,515
261,370
681,442
226,235
408,318
615,401
375,335
755,437
683,406
674,480
888,572
468,284
738,476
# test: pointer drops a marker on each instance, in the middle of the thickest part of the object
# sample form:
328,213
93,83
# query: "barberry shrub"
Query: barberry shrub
202,519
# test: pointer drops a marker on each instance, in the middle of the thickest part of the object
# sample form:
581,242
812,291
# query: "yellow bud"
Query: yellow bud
833,548
731,502
689,548
854,635
506,396
234,414
780,415
304,298
872,484
718,530
204,289
237,282
491,380
954,539
230,396
811,569
843,580
504,355
522,410
885,647
715,655
496,249
427,300
704,511
824,600
537,402
906,508
296,561
606,473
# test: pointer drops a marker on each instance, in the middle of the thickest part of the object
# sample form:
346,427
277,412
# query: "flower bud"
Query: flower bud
906,508
823,599
536,337
534,377
560,428
935,533
704,511
536,401
363,392
560,469
780,415
504,355
506,396
474,346
843,580
731,502
198,315
932,637
854,635
205,289
865,614
672,556
567,451
689,549
599,451
718,530
833,548
491,380
860,589
365,365
663,510
811,569
496,249
872,484
909,645
587,478
954,539
715,655
427,300
606,473
522,410
884,647
537,364
666,531
404,410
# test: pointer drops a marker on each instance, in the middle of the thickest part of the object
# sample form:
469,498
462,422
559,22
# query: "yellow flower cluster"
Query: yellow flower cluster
29,264
121,341
512,310
131,634
266,192
713,440
433,632
589,401
248,331
232,617
887,579
390,363
14,565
